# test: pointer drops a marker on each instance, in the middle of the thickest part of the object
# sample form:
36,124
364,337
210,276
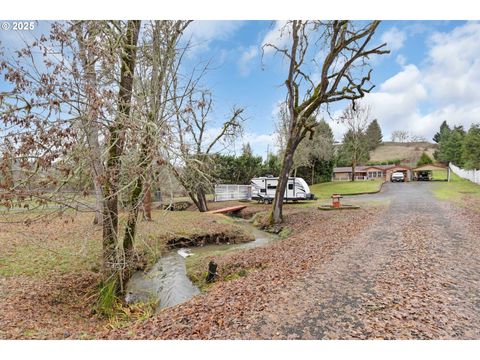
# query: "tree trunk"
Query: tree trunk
202,200
116,145
313,172
131,226
353,171
147,202
277,213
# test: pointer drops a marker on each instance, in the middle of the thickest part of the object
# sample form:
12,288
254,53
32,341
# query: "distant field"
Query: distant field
325,190
410,152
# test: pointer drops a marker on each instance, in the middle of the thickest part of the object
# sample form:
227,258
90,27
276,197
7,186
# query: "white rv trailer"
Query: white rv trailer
263,189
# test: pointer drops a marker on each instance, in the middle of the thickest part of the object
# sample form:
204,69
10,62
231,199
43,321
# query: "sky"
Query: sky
432,74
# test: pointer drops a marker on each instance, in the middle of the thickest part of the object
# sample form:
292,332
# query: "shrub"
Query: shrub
424,160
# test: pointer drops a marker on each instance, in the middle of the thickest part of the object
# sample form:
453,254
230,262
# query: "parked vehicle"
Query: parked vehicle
264,188
423,176
398,177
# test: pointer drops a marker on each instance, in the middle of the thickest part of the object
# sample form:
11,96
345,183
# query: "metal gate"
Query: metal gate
224,192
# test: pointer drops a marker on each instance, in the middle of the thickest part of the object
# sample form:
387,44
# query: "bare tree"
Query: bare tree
86,36
344,51
155,78
192,156
88,107
400,136
355,142
116,142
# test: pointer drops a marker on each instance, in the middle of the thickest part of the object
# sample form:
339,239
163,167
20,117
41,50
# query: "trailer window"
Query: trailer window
271,187
290,186
262,190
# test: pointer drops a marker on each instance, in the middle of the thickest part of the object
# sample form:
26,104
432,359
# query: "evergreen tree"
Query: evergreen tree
247,149
471,148
450,146
313,160
444,129
424,160
374,135
272,165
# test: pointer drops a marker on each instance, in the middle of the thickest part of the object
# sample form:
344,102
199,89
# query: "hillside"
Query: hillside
409,152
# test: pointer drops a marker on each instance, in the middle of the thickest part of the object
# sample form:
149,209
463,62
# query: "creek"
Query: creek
167,281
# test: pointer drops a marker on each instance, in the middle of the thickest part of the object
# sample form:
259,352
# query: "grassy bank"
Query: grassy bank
49,269
458,190
325,190
70,243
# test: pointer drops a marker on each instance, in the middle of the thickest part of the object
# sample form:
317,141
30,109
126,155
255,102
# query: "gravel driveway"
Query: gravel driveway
415,274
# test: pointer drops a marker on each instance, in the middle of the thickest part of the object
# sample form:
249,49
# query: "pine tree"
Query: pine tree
374,135
444,128
471,148
450,146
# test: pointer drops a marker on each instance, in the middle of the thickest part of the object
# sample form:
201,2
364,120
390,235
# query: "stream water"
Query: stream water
167,281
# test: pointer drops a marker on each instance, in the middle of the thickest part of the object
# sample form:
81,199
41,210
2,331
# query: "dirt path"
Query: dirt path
414,274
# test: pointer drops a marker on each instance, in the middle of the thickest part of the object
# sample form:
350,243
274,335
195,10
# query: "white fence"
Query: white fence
472,175
233,192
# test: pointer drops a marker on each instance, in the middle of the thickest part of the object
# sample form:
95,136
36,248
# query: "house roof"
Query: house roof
361,168
430,167
400,167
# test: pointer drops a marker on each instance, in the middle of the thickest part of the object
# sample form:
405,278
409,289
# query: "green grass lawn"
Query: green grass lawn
439,174
325,190
456,190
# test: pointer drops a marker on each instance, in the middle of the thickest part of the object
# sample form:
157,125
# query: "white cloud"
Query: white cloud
394,38
401,60
277,36
261,144
203,32
245,61
445,87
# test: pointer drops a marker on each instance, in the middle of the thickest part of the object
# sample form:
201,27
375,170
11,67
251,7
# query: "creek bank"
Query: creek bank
234,237
169,281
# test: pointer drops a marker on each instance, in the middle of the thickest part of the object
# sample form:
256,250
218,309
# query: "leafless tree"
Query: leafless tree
343,49
191,158
86,108
400,136
356,118
318,147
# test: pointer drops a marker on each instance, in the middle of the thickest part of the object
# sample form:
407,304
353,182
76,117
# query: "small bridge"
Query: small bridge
228,209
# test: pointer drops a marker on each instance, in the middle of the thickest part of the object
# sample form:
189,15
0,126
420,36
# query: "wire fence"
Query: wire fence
472,175
224,192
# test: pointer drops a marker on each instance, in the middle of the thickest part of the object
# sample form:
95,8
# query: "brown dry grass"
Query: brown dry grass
410,152
49,268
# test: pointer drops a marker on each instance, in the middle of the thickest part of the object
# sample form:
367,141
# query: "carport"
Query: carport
398,168
435,172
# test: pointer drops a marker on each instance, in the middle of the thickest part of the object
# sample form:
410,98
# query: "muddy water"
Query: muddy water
167,282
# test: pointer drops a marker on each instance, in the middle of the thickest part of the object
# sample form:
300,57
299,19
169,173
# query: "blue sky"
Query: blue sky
431,75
